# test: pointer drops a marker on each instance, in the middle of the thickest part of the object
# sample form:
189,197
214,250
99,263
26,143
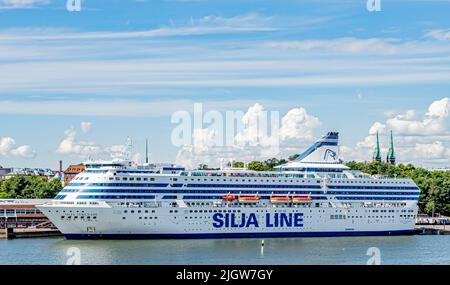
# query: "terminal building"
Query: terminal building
22,213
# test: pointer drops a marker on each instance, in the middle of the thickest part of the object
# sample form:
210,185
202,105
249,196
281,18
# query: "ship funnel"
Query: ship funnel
325,150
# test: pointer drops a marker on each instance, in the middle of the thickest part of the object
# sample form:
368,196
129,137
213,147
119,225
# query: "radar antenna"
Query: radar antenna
129,148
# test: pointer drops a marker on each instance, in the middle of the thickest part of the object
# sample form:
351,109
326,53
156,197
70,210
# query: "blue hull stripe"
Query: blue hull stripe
238,235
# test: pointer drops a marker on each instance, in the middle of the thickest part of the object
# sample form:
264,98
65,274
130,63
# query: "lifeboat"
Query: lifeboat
280,199
301,199
229,198
248,199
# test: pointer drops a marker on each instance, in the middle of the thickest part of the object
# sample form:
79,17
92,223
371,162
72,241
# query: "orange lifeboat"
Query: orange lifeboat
280,199
229,198
301,199
249,199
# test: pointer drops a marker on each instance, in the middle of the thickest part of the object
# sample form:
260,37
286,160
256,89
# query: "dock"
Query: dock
433,229
20,218
13,233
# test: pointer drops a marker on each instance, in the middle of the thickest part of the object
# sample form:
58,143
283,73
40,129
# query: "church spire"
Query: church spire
391,155
377,152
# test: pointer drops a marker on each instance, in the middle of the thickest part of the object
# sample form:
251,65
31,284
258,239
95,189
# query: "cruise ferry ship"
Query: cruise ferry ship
314,195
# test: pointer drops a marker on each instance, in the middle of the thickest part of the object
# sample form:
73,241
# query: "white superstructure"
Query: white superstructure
315,195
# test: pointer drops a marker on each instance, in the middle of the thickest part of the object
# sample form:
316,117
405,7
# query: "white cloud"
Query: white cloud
346,45
137,157
203,26
111,68
247,20
433,123
120,108
439,34
20,4
377,127
422,141
258,138
131,62
298,125
8,148
70,145
255,125
24,151
434,150
86,127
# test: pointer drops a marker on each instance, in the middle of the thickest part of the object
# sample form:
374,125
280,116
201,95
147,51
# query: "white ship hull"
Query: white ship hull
150,222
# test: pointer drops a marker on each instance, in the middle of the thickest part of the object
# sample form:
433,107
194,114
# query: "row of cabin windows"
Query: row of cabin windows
138,211
383,211
338,217
81,217
214,211
361,217
117,178
372,182
140,218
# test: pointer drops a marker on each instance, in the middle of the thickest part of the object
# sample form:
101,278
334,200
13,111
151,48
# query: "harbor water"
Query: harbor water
426,250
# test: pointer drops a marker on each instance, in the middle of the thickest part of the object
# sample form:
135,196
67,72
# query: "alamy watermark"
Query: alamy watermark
373,5
375,256
73,256
73,5
256,128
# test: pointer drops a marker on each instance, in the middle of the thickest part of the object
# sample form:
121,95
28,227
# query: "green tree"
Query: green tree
29,187
256,165
238,164
293,157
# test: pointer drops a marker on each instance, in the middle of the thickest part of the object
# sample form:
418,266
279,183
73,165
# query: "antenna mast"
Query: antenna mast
129,149
146,151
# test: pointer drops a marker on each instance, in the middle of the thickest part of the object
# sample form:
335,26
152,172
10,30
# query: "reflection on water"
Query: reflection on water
335,250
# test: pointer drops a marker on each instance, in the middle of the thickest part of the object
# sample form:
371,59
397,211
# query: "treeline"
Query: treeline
267,165
29,187
434,185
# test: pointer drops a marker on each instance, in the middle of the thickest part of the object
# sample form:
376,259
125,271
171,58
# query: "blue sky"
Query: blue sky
123,67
